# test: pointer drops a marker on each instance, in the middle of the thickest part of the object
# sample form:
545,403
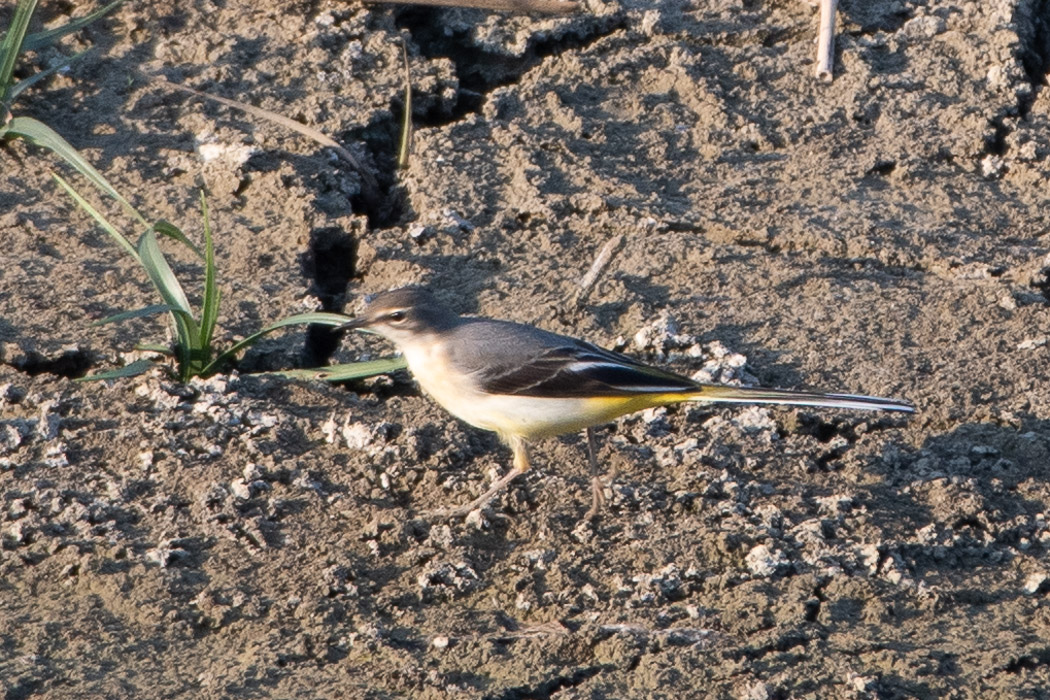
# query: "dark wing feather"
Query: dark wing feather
508,358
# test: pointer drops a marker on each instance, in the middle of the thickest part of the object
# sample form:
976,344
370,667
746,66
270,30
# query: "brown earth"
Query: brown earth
886,234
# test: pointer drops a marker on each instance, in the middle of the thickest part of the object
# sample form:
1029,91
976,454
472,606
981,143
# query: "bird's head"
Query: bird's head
403,314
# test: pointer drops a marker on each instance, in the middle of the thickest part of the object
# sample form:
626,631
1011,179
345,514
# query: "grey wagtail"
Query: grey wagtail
525,383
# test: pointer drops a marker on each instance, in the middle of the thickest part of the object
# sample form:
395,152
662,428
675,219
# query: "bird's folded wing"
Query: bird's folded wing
579,371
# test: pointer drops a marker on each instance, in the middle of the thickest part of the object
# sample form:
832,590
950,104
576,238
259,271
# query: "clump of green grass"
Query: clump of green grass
194,351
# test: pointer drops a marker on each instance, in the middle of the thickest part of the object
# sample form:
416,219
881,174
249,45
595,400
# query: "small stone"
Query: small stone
235,155
419,232
764,562
650,22
757,691
18,532
166,554
240,489
357,435
18,508
458,221
992,167
869,555
476,519
1032,343
924,27
755,419
859,683
1036,583
440,642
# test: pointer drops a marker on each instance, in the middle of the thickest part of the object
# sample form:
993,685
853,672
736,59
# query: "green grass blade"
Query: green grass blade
36,78
11,47
188,351
319,317
343,372
210,302
116,235
159,349
130,370
41,134
150,310
40,40
173,232
161,274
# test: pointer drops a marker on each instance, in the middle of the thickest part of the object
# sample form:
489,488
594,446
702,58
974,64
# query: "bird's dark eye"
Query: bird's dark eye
396,316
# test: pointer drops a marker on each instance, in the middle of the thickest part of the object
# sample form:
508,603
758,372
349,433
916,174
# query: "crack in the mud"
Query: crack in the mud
888,22
814,604
882,167
71,364
1040,657
785,642
480,71
547,689
995,143
1041,283
383,205
740,239
330,264
331,260
825,431
1034,36
332,255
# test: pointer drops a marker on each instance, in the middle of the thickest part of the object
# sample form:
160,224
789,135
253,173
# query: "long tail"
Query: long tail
717,393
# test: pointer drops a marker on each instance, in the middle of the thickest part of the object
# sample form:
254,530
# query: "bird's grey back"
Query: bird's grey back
510,358
482,343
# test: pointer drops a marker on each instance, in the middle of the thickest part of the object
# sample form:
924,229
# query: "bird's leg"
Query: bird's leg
597,497
521,465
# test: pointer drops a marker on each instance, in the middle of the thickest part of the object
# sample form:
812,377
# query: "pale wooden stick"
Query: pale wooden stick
601,261
826,41
555,6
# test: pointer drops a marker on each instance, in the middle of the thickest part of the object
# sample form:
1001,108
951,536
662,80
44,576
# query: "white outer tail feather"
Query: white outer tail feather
716,393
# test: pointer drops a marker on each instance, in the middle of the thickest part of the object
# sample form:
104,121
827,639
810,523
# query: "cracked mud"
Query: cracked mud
243,536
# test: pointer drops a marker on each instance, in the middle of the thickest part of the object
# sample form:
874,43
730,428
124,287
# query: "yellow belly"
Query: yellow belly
533,417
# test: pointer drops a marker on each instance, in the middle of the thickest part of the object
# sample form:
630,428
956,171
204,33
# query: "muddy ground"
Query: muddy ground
242,536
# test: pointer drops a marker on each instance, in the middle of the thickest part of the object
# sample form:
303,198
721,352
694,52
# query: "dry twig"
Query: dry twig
601,261
826,41
404,148
279,119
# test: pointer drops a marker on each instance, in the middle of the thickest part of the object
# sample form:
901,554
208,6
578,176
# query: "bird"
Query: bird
525,383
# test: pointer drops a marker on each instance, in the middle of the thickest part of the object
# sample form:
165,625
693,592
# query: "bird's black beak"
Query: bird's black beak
354,325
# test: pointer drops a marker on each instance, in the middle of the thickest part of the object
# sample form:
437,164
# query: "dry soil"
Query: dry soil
885,234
